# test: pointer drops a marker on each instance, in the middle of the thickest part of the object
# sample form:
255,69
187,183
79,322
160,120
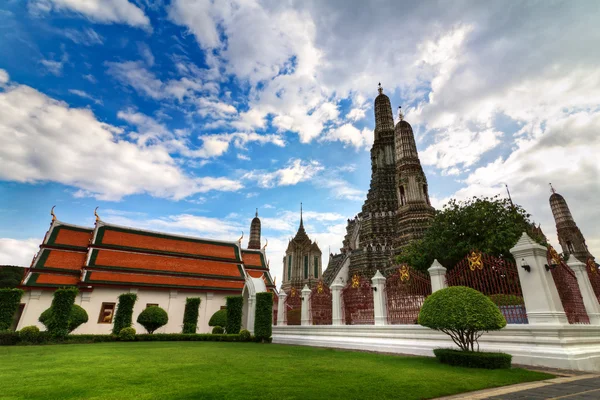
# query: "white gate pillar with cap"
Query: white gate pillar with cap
437,274
379,303
336,303
281,309
590,301
305,311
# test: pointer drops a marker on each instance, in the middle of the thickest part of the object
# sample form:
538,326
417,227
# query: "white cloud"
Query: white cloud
294,172
243,157
103,11
85,95
4,77
18,252
41,140
146,53
86,37
54,67
348,134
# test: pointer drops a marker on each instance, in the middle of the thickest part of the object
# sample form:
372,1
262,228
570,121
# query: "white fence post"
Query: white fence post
305,312
336,303
437,274
281,309
590,301
541,298
379,303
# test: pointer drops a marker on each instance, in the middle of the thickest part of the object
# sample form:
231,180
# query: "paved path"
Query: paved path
569,388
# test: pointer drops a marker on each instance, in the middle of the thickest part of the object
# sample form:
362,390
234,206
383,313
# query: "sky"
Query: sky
185,116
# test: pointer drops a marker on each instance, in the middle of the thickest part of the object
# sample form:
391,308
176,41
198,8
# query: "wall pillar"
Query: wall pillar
336,303
379,303
437,274
590,301
305,310
281,309
541,298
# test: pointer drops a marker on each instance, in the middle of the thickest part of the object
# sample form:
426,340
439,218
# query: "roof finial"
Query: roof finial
552,188
96,214
256,215
265,246
301,214
379,88
52,213
400,115
241,237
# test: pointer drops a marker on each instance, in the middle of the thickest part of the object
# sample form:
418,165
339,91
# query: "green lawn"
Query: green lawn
212,370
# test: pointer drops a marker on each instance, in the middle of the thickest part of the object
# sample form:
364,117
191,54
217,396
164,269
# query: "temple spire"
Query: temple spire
254,242
301,224
552,188
379,88
570,237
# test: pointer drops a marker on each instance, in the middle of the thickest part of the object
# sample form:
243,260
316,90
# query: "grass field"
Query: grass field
209,370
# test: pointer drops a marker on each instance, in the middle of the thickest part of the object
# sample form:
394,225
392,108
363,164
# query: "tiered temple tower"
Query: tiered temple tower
397,209
254,242
570,237
414,208
302,261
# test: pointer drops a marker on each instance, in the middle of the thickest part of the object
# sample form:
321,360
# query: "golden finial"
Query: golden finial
241,237
379,88
265,246
274,281
400,115
552,188
52,213
96,214
268,263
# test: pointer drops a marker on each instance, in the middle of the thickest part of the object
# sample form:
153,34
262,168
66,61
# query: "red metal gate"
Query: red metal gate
293,307
497,278
568,288
358,302
406,290
320,305
594,275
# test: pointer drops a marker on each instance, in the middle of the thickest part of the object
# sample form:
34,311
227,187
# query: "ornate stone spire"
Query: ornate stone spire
301,235
384,119
254,242
570,237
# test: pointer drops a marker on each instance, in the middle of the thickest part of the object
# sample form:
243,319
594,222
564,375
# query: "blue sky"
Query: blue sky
185,116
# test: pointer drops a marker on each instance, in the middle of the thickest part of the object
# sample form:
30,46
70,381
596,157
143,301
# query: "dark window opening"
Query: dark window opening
106,313
402,196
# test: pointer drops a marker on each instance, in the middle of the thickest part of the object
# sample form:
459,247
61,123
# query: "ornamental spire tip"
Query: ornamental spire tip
379,88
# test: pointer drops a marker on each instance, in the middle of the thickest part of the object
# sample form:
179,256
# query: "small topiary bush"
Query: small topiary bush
263,321
218,319
30,334
153,318
77,317
473,359
190,315
234,314
62,303
9,303
218,330
124,312
245,335
462,313
127,334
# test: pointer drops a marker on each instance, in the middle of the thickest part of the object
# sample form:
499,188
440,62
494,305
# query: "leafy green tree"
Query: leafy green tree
77,317
152,318
490,225
11,276
219,318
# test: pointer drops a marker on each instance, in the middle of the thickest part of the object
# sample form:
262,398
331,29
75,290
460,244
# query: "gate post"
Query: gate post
541,298
437,272
305,311
336,303
379,303
281,309
590,301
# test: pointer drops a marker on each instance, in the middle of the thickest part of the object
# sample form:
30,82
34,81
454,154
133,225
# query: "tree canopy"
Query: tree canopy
10,276
490,225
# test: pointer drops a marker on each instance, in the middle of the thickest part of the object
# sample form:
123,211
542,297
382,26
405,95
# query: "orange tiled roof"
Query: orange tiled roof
148,262
156,242
65,235
255,274
118,278
52,280
60,259
253,259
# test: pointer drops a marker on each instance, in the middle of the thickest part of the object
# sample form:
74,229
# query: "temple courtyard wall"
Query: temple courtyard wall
93,302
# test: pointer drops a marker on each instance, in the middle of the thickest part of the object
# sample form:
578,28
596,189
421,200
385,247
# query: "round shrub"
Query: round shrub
245,335
77,317
473,359
127,334
219,318
153,318
462,313
218,330
30,334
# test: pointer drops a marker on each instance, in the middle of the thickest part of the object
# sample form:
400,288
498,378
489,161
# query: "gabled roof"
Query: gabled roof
63,261
37,279
116,237
68,236
253,259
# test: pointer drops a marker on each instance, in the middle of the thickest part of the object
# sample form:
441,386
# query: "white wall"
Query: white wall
36,301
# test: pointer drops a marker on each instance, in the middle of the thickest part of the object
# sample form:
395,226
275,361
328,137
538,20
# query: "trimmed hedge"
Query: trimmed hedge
218,330
234,314
218,319
77,317
263,319
29,334
473,359
245,335
190,315
9,303
10,338
63,300
462,313
127,334
124,312
180,337
153,318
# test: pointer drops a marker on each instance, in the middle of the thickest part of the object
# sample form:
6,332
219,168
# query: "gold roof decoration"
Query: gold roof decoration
266,244
52,213
96,214
241,237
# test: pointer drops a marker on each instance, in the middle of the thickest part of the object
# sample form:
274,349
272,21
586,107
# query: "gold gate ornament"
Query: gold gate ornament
475,261
355,281
293,293
592,266
554,255
404,273
320,287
